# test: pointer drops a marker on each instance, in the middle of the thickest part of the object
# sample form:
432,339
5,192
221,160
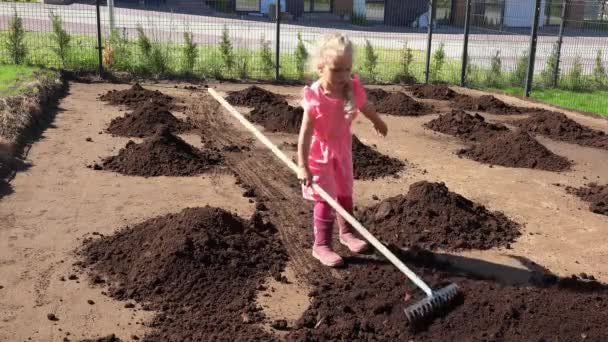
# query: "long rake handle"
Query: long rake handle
333,203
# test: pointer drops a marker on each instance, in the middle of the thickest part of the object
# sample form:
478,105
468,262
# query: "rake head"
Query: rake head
429,305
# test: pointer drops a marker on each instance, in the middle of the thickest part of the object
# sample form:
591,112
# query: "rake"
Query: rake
434,301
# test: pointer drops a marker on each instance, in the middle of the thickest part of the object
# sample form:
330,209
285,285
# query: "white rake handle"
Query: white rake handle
333,203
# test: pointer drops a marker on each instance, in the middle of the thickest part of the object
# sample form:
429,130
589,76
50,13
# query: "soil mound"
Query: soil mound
371,164
135,96
253,96
432,217
162,154
433,91
466,126
375,95
596,195
278,117
485,103
516,149
200,268
145,121
367,305
397,103
558,126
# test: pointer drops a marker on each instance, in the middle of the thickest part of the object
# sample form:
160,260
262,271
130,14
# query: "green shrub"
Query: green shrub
301,57
371,61
547,76
600,79
243,67
518,77
494,76
574,79
60,38
226,49
438,62
14,42
406,60
189,53
155,57
143,42
121,54
266,57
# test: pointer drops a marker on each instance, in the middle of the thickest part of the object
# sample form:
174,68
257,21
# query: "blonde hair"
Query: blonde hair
330,46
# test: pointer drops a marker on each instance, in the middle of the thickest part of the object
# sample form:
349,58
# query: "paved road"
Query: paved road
166,26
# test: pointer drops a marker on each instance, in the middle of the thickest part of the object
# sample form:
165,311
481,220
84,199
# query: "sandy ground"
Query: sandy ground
58,201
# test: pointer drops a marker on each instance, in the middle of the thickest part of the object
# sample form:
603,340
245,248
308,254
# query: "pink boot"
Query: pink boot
347,237
322,249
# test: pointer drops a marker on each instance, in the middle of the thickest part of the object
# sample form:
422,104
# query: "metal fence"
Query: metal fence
248,39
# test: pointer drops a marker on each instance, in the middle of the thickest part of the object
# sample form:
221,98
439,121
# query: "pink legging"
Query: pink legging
324,214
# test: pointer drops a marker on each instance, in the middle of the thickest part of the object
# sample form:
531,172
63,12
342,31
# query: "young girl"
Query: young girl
325,143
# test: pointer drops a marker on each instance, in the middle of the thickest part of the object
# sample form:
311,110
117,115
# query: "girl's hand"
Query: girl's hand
305,176
380,127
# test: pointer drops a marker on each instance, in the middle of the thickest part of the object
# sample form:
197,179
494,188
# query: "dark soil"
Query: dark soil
253,96
558,126
162,154
278,117
466,126
432,91
375,95
109,338
144,121
367,303
199,269
432,217
596,195
397,103
371,164
516,149
135,96
485,103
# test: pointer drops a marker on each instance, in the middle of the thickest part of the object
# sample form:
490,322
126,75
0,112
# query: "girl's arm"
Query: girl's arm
304,148
369,111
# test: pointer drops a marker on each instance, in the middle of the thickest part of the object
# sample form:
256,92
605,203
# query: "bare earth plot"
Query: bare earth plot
58,202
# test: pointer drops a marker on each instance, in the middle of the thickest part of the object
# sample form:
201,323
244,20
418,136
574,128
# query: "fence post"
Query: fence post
465,45
99,47
427,68
560,39
111,14
278,44
532,57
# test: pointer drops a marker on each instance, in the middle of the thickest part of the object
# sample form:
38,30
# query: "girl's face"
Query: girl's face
336,71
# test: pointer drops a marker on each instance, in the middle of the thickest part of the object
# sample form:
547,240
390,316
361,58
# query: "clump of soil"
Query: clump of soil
371,164
162,154
433,91
278,117
145,120
199,269
375,95
485,103
109,338
253,96
135,96
432,217
516,149
596,195
397,103
367,303
466,126
558,126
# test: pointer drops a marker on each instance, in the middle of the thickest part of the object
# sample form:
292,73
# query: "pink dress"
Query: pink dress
330,159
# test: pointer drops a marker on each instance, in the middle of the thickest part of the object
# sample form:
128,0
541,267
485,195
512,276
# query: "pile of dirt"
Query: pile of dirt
145,120
558,126
397,103
516,149
253,96
162,154
278,117
199,268
485,103
466,126
135,96
596,195
374,95
367,303
371,164
432,217
433,91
